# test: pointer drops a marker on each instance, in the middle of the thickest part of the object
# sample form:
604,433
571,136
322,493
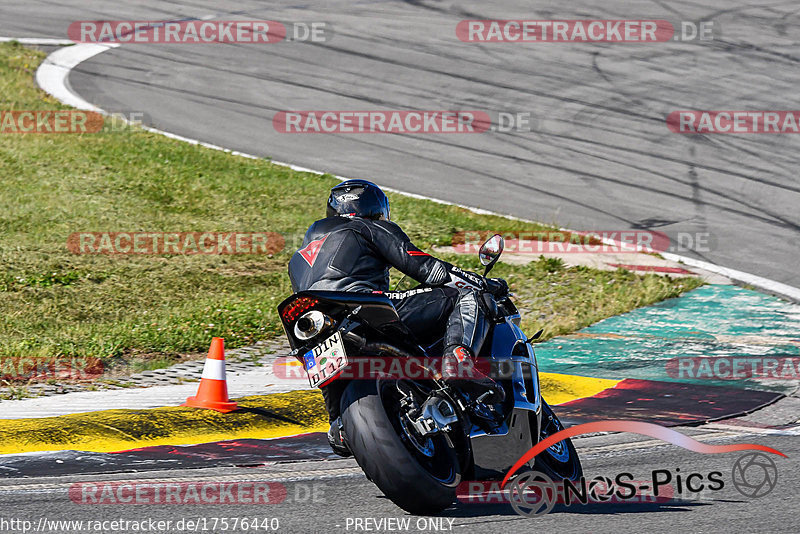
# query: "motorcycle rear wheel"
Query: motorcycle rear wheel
419,476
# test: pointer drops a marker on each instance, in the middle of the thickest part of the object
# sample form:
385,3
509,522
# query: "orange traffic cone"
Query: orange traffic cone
213,391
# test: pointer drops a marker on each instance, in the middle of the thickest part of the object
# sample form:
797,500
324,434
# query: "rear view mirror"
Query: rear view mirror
490,251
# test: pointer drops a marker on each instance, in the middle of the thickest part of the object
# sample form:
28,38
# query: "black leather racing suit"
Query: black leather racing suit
354,254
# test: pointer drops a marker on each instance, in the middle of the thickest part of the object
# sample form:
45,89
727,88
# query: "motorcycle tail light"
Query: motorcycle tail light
293,310
311,324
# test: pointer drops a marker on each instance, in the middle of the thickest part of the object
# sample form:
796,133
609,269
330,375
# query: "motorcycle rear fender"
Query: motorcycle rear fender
372,309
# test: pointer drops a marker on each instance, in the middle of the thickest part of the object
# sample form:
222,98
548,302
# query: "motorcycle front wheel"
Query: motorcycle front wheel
559,461
419,474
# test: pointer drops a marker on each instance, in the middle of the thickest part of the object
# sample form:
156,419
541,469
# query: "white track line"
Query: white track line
52,78
52,75
37,41
770,286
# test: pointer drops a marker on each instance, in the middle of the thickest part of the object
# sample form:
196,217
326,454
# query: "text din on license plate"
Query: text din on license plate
325,361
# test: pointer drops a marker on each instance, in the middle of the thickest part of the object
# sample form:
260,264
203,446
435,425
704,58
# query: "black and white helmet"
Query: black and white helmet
358,198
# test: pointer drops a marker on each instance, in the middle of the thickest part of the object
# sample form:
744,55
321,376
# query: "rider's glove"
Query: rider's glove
473,279
497,287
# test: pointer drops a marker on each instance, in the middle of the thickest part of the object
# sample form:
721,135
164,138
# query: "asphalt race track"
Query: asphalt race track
322,496
598,156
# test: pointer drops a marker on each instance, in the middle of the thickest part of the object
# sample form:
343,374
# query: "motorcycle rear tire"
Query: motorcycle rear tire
386,460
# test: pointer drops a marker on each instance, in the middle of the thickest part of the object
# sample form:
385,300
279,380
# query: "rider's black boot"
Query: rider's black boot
336,439
459,370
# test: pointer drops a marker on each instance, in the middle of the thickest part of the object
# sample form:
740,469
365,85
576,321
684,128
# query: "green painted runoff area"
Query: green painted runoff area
711,321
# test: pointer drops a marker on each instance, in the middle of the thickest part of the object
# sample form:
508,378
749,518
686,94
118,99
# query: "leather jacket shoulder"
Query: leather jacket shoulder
354,254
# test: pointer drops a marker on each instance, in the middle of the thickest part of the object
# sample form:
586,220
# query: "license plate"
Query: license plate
325,361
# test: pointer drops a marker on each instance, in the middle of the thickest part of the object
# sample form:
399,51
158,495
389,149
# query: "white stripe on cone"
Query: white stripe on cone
214,370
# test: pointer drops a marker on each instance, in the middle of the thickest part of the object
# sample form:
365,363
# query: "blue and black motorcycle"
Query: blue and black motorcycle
415,436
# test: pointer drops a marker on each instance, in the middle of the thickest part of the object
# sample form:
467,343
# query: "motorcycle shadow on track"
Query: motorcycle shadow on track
463,510
269,414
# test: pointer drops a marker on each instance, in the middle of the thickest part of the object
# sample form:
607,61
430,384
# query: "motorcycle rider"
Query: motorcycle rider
353,248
